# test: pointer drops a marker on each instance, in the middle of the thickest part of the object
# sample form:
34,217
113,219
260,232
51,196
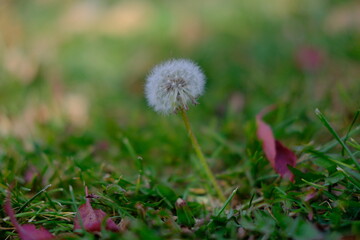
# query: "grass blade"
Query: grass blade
332,131
350,127
32,199
227,202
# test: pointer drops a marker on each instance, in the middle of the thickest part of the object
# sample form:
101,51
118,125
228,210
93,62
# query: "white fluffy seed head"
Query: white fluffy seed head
174,84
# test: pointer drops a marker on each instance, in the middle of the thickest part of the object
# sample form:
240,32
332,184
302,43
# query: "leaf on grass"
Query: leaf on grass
278,155
91,219
26,231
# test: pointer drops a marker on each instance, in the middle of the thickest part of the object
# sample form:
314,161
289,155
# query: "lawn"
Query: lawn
76,127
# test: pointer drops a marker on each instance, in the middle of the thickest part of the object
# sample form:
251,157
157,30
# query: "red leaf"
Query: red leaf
27,231
91,219
30,174
309,58
278,155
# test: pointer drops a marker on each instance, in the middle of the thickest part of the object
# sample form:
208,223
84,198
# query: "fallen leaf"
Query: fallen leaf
26,231
309,58
91,219
278,155
30,173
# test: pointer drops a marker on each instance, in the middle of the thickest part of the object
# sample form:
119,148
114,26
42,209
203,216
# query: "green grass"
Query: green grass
144,203
81,119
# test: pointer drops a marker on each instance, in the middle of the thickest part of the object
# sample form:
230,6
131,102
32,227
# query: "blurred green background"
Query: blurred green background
72,75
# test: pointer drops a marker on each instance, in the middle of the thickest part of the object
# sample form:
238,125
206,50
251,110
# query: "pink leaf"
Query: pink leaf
309,58
278,155
27,231
91,219
30,174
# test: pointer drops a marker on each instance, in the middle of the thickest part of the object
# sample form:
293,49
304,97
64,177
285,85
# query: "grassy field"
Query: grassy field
73,114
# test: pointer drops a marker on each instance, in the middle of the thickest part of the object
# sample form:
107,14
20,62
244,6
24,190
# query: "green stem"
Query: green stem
201,157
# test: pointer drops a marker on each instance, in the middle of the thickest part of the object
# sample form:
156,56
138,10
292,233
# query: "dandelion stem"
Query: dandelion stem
201,156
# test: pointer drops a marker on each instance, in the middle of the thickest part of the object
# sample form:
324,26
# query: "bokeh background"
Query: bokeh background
72,75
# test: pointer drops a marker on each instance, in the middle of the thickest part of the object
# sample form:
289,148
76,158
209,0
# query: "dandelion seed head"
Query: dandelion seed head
174,84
